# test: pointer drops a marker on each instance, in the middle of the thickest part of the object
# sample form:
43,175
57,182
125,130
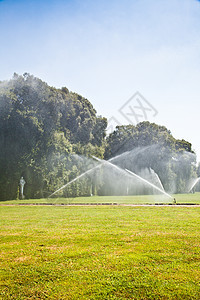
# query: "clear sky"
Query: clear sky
108,50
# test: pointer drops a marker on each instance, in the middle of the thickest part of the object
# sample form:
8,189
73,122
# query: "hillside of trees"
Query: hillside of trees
152,147
48,136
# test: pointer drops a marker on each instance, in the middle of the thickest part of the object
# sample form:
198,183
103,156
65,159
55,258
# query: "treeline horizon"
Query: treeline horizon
48,135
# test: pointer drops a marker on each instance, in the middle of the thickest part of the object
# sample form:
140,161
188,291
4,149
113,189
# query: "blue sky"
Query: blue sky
108,50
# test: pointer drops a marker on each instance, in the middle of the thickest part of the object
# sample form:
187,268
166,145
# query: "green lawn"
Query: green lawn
100,252
143,199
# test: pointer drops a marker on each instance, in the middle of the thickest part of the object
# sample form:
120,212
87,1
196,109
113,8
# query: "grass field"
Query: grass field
143,199
100,252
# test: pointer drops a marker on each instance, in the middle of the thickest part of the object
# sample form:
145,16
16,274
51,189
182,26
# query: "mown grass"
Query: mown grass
142,199
113,252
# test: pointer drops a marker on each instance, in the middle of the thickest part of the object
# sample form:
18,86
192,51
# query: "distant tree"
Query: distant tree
40,127
198,170
183,145
152,146
49,136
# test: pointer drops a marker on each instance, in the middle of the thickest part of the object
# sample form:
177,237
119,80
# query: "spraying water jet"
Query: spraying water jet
73,180
82,175
136,176
102,162
149,183
194,184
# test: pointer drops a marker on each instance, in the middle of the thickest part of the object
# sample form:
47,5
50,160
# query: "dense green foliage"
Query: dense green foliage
40,129
47,135
148,146
126,138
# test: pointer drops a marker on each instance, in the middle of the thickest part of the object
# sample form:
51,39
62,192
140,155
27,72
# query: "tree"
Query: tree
151,146
40,128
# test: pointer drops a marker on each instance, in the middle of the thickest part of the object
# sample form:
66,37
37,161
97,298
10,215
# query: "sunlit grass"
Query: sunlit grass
142,199
113,252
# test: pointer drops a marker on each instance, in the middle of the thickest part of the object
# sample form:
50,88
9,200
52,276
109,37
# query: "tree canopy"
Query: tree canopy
148,145
46,134
40,128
